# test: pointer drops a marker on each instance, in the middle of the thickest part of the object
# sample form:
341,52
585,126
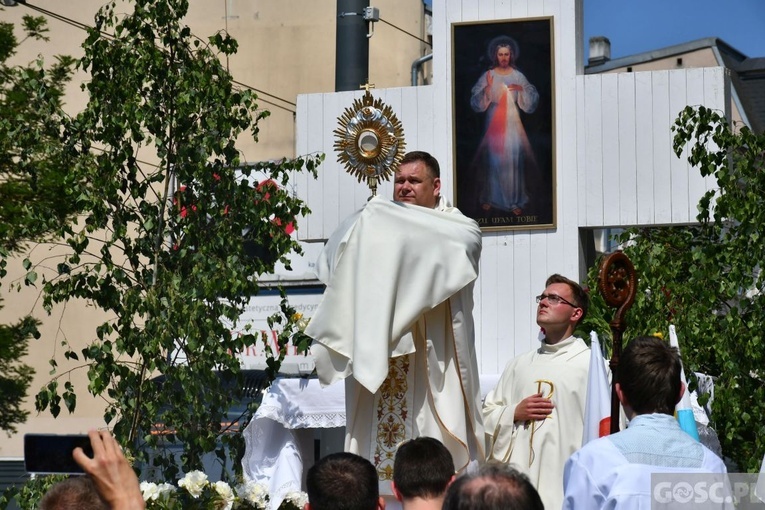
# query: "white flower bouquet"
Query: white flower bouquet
195,491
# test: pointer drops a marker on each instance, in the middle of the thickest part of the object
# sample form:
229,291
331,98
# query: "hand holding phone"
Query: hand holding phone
52,453
115,479
98,454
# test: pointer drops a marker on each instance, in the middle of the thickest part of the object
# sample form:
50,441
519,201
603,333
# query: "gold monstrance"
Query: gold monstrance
370,140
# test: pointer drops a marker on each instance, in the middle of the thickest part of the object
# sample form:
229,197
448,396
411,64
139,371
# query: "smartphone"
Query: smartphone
52,453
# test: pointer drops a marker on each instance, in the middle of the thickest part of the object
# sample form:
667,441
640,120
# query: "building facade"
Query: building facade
286,48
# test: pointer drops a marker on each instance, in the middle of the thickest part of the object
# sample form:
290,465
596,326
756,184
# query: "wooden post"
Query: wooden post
617,283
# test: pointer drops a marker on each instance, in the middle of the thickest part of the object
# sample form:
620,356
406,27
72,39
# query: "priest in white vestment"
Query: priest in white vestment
534,418
396,322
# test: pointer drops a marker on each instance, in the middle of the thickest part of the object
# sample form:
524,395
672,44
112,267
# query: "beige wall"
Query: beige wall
286,48
73,324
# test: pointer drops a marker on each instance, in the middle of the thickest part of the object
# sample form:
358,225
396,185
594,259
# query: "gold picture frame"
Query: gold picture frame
503,91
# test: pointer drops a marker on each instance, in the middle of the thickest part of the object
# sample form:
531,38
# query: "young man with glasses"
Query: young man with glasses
534,418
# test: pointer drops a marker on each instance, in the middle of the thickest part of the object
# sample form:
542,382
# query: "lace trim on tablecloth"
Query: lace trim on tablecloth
304,421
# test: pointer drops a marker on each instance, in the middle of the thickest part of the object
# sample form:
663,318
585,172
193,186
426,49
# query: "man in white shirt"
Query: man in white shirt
615,471
534,418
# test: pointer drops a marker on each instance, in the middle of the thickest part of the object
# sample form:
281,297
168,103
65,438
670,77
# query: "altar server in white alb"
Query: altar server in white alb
534,418
396,321
616,471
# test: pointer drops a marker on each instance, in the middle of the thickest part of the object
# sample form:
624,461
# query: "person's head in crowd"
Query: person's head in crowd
418,180
649,377
495,486
343,481
75,493
422,470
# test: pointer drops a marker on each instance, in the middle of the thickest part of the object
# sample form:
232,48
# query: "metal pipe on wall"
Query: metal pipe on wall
351,45
416,65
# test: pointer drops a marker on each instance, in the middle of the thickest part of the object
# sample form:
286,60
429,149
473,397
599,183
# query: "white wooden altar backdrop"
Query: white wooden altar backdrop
614,163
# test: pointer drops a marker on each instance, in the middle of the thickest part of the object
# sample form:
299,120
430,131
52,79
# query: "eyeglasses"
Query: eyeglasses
555,299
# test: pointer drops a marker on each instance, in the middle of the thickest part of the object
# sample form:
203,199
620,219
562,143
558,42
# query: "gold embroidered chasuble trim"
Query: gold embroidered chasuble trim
393,418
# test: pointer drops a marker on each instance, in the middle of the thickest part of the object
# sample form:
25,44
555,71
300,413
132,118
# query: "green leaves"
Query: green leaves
159,248
36,27
33,159
15,376
30,278
48,397
28,496
707,279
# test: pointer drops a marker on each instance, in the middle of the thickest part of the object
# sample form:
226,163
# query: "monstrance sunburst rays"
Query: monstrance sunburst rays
370,140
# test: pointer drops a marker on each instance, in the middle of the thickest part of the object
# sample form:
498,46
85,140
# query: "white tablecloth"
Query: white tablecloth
304,404
274,449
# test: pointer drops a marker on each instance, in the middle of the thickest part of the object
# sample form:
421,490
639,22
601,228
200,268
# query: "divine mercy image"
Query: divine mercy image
503,123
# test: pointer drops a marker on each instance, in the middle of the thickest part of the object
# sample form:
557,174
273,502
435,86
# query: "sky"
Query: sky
636,26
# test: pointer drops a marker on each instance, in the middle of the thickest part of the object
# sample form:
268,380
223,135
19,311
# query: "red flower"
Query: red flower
264,187
185,210
268,183
289,229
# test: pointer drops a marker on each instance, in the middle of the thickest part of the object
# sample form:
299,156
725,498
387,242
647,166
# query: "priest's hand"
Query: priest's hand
535,407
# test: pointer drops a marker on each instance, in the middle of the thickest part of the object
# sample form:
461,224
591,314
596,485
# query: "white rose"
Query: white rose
194,482
254,493
302,323
299,499
165,488
149,491
225,492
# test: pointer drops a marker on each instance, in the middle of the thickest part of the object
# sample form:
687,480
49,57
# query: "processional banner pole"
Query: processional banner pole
617,283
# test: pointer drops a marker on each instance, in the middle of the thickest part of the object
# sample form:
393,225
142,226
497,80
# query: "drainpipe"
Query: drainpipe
416,65
351,45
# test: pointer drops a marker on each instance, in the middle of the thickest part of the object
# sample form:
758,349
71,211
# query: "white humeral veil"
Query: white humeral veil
396,323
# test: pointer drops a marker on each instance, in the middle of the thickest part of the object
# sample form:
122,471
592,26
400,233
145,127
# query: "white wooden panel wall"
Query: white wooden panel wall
629,174
614,164
515,264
